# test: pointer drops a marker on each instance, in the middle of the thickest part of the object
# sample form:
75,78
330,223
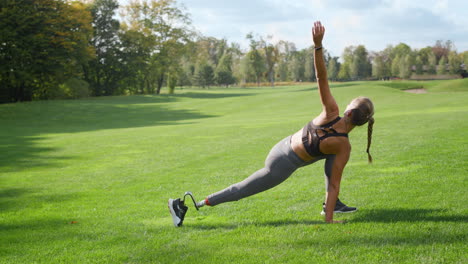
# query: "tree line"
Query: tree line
53,49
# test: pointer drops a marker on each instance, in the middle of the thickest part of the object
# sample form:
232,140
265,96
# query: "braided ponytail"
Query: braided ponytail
369,137
362,112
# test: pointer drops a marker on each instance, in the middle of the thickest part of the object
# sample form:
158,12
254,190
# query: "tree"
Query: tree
296,66
185,75
333,68
442,49
223,73
454,62
464,57
165,26
400,50
396,66
432,64
424,54
135,60
171,82
379,66
343,74
105,70
43,43
282,70
236,53
419,65
405,67
256,59
271,58
442,67
285,54
245,70
309,68
204,74
360,67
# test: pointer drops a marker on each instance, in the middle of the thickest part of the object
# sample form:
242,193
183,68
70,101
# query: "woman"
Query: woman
325,137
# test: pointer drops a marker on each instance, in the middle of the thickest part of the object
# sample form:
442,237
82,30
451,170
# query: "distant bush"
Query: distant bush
75,88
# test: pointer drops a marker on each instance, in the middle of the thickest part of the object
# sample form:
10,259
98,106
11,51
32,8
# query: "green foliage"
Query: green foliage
464,56
442,67
309,67
360,66
380,66
76,88
164,28
256,59
44,42
297,64
432,64
343,74
356,64
223,73
419,65
47,42
106,70
73,88
225,78
405,66
454,62
171,83
400,50
333,68
204,75
271,58
396,62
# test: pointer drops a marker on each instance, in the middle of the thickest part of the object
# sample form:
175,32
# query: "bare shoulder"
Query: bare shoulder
326,117
336,145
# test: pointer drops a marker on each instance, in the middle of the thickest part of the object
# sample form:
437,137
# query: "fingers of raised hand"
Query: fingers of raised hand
318,28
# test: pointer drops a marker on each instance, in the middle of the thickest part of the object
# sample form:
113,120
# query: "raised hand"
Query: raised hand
318,31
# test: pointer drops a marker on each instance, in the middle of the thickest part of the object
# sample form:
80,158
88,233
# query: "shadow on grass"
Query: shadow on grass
408,215
24,124
306,90
337,85
195,95
10,198
42,225
20,152
371,216
289,222
345,84
275,223
14,199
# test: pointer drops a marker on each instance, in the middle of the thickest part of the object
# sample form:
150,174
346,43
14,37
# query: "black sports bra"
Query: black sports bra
313,147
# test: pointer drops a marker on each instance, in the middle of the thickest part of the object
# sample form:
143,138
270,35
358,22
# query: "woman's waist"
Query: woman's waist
298,147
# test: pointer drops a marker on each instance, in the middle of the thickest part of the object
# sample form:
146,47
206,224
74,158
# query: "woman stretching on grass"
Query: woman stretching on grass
325,137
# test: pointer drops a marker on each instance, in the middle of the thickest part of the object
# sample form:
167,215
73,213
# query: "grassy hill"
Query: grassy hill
87,181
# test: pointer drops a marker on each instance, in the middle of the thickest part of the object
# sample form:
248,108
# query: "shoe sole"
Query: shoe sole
175,219
339,212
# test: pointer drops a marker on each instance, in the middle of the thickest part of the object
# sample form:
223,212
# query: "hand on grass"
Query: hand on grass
318,31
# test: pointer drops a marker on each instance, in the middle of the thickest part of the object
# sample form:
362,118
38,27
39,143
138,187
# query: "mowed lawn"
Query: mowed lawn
87,181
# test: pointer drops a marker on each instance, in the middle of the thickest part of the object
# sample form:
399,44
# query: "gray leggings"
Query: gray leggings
280,163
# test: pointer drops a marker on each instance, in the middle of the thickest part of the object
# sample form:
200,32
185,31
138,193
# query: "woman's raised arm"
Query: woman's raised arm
330,108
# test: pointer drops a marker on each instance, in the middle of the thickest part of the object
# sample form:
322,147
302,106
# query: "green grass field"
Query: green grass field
87,181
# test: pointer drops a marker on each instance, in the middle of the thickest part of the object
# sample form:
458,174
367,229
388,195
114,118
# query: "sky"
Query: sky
372,23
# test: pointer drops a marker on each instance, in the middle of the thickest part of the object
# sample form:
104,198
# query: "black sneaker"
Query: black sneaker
340,208
178,210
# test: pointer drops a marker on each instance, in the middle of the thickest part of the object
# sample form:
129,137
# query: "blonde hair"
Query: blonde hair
363,112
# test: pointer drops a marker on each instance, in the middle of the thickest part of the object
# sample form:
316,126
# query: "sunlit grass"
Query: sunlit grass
88,180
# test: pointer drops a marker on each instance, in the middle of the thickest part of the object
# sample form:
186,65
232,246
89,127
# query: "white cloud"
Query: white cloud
373,23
